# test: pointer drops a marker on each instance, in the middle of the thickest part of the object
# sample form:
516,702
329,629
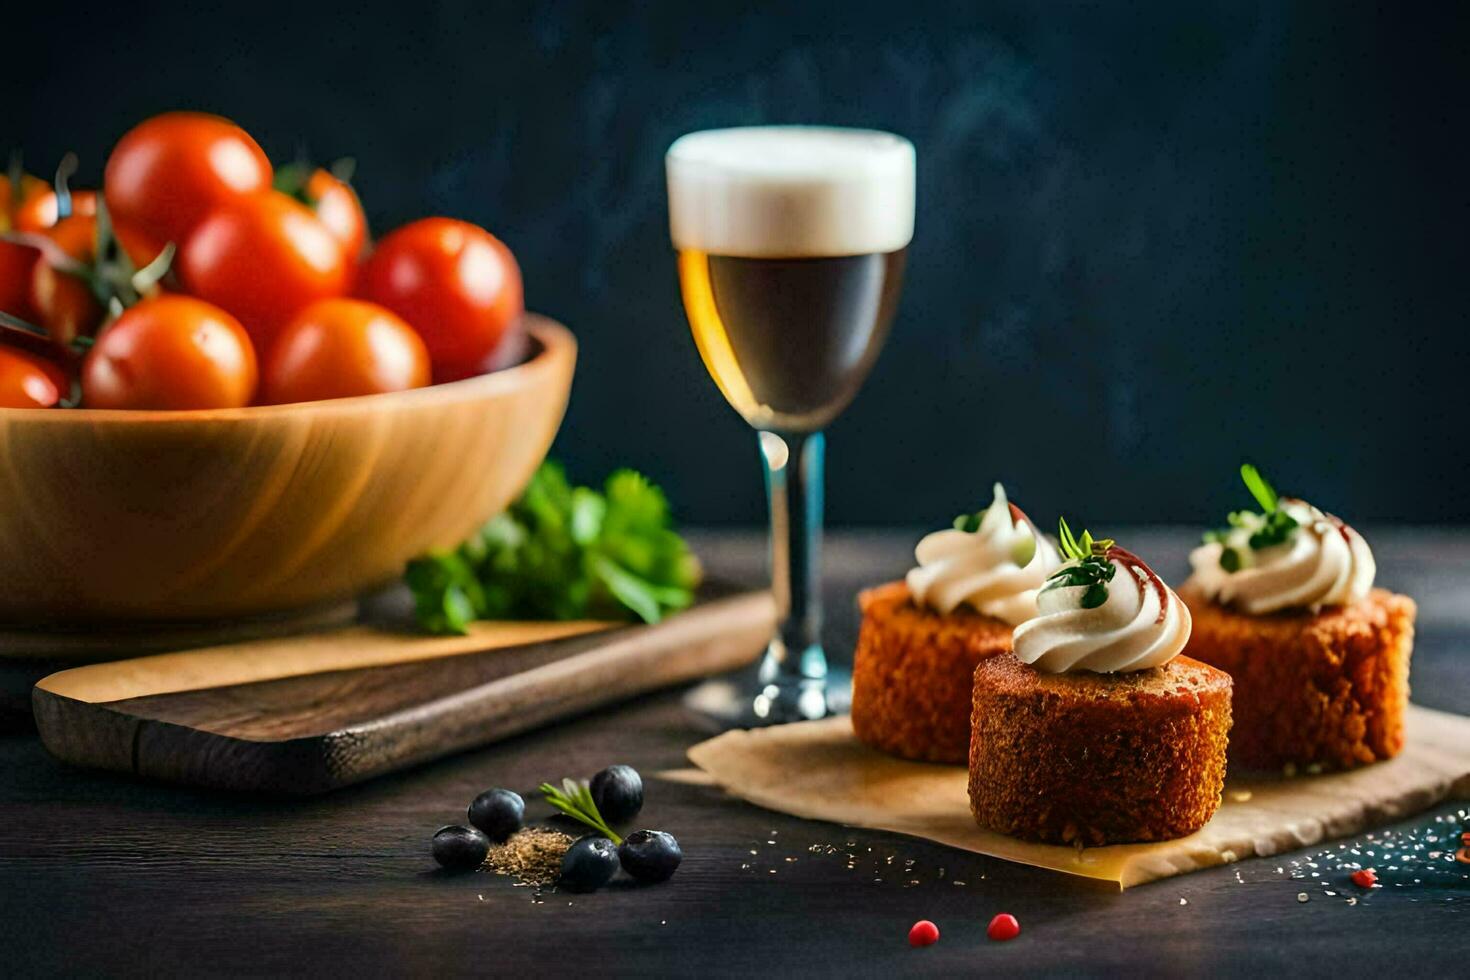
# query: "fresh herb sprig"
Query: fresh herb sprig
970,523
1272,526
1092,569
561,552
575,800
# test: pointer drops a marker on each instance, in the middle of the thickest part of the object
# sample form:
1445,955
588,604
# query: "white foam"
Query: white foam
791,191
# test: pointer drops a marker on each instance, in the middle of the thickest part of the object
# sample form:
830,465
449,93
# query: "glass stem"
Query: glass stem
793,465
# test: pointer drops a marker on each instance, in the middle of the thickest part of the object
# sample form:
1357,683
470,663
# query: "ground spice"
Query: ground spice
532,855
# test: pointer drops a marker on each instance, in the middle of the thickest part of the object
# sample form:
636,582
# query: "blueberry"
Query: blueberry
650,855
588,864
460,848
618,793
498,813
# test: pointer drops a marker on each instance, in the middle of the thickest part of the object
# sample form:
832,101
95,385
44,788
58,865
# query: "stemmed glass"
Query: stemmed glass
791,243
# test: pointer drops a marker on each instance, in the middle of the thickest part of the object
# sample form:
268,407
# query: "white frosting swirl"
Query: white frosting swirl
1322,563
996,569
1142,624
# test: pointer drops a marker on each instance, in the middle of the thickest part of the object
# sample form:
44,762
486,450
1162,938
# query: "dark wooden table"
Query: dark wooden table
103,874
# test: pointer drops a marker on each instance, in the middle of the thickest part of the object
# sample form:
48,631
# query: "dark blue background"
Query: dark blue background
1151,240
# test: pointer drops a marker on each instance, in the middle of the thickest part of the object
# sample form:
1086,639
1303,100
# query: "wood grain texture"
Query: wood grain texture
303,721
347,648
127,516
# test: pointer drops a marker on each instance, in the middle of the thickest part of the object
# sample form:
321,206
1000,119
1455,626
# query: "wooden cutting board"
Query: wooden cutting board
311,713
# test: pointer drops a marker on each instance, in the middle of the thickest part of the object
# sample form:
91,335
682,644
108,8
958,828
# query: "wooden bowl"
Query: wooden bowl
115,516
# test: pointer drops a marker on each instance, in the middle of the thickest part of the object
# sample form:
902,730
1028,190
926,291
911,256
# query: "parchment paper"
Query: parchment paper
820,771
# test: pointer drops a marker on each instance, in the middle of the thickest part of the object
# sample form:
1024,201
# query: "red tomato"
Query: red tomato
458,286
171,352
170,171
12,205
39,211
339,348
27,381
16,261
263,258
339,209
64,303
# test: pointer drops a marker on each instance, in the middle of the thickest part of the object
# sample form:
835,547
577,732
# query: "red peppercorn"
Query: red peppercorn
923,933
1003,927
1366,878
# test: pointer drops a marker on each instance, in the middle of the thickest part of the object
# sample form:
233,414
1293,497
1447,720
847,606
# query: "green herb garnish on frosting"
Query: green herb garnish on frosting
970,523
1025,548
1271,527
1088,566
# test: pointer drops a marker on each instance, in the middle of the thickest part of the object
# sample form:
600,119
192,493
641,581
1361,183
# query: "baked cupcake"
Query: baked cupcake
921,638
1283,601
1095,731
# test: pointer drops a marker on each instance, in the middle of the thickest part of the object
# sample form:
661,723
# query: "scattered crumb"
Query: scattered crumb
1240,795
1303,897
1184,901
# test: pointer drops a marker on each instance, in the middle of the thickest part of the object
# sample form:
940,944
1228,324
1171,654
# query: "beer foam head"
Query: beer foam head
791,192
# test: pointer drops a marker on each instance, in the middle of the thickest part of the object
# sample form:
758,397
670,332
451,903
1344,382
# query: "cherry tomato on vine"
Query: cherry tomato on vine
40,211
339,348
168,172
456,284
170,352
16,264
16,260
263,257
62,302
29,381
13,204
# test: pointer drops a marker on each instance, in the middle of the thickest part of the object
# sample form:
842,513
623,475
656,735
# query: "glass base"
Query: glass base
747,699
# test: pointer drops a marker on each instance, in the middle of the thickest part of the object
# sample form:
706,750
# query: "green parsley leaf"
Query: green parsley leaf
561,552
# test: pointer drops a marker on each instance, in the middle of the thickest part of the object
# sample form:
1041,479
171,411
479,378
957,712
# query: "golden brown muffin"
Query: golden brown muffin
912,674
1326,689
1092,759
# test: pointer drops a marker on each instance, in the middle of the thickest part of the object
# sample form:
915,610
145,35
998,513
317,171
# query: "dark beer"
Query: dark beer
791,243
790,340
